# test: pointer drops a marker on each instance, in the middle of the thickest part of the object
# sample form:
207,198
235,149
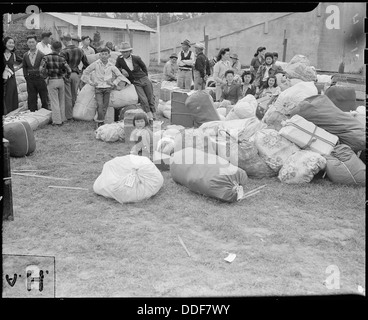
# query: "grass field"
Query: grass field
284,237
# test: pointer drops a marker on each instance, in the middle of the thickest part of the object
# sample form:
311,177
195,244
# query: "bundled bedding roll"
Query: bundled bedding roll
208,174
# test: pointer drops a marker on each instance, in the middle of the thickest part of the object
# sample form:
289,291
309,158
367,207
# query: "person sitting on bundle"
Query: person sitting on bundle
248,86
231,91
269,89
142,135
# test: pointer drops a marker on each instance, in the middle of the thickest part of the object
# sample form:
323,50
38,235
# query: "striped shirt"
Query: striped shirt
74,56
54,66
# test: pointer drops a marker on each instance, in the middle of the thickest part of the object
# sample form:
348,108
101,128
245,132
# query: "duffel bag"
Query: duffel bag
344,98
21,138
129,179
344,166
201,107
208,174
321,111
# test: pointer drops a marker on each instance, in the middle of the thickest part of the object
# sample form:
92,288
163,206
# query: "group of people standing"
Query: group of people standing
54,71
230,80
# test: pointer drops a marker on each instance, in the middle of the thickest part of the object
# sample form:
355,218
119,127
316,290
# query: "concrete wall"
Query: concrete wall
306,34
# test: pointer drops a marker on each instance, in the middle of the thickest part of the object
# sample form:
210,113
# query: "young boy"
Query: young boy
54,68
103,81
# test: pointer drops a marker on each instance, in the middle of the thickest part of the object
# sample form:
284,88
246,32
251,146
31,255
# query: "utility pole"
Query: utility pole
79,24
285,46
158,39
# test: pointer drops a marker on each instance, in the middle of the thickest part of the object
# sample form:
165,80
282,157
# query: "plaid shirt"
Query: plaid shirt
74,56
53,65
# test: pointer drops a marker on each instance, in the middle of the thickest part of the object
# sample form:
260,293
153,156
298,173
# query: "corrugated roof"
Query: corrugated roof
101,22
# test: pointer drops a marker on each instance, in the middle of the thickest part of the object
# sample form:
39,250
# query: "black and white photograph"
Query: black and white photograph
184,154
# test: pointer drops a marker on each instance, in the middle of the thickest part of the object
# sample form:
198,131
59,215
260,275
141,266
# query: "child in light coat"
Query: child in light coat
142,135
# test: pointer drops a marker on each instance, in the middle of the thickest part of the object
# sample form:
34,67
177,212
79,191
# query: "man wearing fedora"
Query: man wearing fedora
201,67
235,64
185,63
45,44
171,68
136,71
87,49
73,56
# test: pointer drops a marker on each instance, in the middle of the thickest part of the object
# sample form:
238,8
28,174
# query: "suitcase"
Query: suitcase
180,114
307,135
7,201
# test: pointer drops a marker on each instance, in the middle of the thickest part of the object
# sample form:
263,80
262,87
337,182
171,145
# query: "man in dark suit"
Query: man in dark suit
36,84
135,70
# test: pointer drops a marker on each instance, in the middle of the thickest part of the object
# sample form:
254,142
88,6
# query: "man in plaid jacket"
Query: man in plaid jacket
55,68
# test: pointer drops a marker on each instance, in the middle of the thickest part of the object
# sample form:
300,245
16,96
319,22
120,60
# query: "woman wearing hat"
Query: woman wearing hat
136,71
186,61
258,59
171,68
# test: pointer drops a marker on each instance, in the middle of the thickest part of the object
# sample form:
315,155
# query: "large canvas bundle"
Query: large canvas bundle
241,128
241,153
291,97
323,113
343,97
124,97
299,68
301,167
208,174
21,139
307,135
129,179
344,166
85,106
111,132
200,105
274,148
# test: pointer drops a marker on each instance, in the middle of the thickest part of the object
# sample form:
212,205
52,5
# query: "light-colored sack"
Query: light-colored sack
273,148
291,97
192,138
124,97
129,179
85,107
164,108
307,135
299,58
301,167
301,71
110,132
222,111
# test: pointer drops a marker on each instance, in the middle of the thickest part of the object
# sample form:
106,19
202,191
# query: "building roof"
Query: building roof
101,22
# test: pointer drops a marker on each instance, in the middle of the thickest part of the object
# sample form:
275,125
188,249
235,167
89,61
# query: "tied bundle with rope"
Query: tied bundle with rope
344,166
21,138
